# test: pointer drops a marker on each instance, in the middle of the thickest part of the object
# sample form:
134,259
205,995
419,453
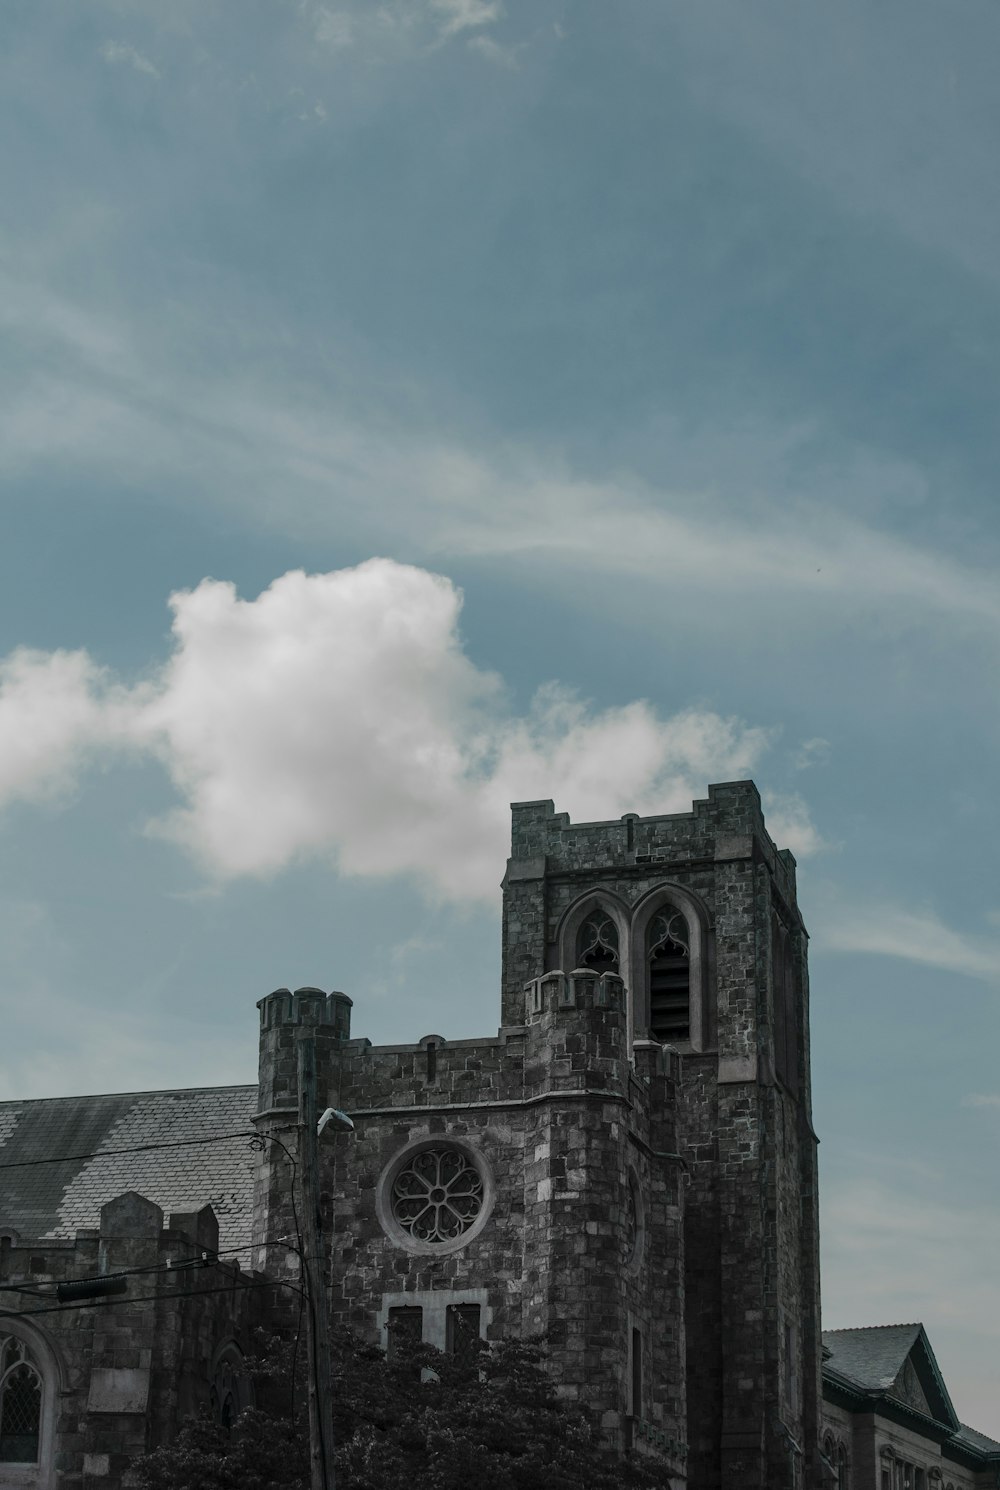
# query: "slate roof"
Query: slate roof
872,1357
979,1441
58,1199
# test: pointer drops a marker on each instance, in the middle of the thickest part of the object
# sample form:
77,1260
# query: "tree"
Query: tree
424,1421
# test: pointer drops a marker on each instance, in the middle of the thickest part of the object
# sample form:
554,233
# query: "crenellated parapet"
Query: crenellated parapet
580,989
306,1006
284,1019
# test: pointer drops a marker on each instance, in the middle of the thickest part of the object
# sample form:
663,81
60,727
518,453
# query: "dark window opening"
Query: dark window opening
462,1332
432,1060
785,1008
20,1415
636,1374
597,944
406,1330
669,978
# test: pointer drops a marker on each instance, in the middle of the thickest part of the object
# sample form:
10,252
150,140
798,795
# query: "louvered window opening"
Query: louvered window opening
669,978
597,944
462,1332
20,1407
406,1330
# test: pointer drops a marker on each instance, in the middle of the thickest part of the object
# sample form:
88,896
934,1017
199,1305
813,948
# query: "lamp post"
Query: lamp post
321,1468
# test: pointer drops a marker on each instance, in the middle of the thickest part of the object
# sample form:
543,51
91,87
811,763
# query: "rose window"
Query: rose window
438,1195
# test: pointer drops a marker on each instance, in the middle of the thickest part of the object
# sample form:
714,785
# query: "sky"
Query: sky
411,406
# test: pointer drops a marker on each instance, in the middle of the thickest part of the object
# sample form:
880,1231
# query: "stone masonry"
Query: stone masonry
648,1205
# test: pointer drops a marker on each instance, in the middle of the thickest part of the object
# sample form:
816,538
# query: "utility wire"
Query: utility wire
207,1259
146,1298
139,1148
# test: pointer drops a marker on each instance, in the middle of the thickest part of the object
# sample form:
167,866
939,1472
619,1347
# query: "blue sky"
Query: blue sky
516,399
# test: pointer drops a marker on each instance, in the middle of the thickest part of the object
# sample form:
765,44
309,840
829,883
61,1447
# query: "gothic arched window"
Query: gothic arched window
668,954
20,1404
785,1016
597,943
231,1391
843,1477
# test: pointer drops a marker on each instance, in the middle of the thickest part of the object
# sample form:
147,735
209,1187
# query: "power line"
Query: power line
207,1259
139,1148
146,1298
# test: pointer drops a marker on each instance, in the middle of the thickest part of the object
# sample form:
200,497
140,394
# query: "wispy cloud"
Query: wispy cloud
814,752
892,1255
913,933
111,411
333,28
122,54
495,52
462,15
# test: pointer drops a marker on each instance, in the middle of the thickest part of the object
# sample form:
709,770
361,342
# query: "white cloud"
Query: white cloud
119,53
790,824
981,1099
56,709
916,934
337,715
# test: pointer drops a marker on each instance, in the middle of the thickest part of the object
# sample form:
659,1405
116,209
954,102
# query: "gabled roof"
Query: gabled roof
895,1362
871,1357
48,1200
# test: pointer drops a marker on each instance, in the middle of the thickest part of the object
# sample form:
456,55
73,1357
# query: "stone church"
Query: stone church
628,1167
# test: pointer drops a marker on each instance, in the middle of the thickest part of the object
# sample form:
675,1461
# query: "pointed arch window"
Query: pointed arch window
597,943
20,1404
785,1007
668,959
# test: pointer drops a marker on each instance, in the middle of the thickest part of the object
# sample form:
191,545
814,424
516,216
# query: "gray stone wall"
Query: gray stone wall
120,1373
580,1123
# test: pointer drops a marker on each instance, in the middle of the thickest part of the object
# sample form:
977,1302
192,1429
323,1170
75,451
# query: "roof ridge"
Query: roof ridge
160,1091
857,1329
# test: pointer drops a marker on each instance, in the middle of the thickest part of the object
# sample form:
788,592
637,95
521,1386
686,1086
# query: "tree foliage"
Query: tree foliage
424,1421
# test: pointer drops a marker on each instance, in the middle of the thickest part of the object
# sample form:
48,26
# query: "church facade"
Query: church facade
628,1167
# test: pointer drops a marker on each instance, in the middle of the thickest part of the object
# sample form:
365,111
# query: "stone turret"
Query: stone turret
287,1018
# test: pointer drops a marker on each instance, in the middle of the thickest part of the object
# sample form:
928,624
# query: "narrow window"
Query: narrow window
668,958
784,1007
462,1332
20,1405
886,1482
636,1374
791,1376
432,1060
597,944
406,1329
843,1477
